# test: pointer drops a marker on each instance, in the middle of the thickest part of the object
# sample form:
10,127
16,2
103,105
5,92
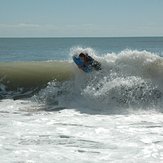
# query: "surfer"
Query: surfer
86,62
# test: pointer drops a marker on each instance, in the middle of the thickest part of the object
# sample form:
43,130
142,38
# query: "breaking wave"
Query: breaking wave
130,79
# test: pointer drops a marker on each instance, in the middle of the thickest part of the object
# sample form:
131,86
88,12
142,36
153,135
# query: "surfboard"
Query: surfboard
93,64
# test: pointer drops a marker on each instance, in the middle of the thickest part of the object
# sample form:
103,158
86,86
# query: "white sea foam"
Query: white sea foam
31,134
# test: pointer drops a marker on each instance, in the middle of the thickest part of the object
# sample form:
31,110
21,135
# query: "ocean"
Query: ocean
50,111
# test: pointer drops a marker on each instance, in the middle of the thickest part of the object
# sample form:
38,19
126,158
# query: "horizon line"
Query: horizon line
78,36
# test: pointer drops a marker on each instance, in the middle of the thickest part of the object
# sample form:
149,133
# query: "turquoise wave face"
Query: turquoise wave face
25,76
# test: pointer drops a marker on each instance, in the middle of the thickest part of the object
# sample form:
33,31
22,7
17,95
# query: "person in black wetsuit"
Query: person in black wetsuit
89,61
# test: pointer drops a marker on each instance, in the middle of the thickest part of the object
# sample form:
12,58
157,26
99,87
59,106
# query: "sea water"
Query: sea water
52,112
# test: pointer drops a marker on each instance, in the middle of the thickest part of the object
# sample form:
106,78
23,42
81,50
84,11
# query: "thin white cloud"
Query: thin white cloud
28,25
51,30
20,25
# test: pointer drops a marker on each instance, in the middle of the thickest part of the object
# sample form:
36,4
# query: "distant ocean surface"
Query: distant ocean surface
50,111
43,49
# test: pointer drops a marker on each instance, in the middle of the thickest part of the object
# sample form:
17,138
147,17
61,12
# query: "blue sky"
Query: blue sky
84,18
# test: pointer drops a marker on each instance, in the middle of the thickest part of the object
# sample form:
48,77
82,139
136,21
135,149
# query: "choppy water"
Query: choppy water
52,112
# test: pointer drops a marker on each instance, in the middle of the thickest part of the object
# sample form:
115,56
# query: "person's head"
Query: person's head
82,56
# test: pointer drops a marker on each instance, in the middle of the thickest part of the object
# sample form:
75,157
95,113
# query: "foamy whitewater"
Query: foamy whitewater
63,115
